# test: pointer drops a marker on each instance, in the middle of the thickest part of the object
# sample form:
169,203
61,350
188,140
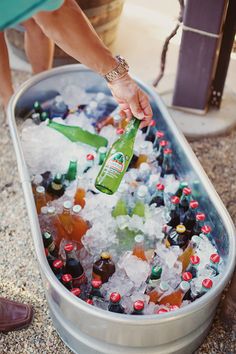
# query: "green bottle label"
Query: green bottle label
115,165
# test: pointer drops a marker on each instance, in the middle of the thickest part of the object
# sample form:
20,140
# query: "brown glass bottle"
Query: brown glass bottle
103,268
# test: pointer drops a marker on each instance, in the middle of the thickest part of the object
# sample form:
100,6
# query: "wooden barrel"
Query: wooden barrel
104,15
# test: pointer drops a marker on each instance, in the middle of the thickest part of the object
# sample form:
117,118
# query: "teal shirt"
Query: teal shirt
13,12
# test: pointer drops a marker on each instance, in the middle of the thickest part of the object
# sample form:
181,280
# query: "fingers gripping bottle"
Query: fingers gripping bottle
117,160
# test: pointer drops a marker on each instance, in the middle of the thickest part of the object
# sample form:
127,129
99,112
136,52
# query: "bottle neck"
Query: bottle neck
131,129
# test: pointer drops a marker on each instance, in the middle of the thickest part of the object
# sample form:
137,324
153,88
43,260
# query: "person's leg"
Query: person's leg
38,47
6,89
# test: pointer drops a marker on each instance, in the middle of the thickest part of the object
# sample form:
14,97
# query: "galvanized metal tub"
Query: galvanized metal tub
89,330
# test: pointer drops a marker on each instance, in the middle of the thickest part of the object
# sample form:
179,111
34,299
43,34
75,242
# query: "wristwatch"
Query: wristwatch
120,70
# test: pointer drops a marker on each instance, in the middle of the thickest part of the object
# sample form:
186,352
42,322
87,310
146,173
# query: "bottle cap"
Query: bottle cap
187,191
206,229
58,264
138,305
160,187
142,191
139,239
194,204
156,272
173,307
102,150
174,199
163,143
183,184
90,157
51,210
96,283
76,291
120,131
180,229
47,235
152,123
76,209
66,278
105,255
184,286
160,311
144,166
159,134
164,286
40,190
207,283
67,205
168,151
200,216
115,297
37,178
89,301
215,258
194,260
68,247
44,210
187,276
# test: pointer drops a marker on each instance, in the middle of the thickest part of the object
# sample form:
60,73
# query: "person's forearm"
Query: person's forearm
69,28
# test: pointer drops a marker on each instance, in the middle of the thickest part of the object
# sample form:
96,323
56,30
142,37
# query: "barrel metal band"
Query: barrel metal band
204,33
100,10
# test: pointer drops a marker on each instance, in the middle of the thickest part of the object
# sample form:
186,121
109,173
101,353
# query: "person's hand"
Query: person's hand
132,100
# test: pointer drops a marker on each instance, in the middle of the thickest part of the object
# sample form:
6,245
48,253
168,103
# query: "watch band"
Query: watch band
120,70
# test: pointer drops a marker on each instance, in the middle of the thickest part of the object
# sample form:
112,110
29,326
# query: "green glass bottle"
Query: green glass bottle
117,160
139,208
77,134
120,207
72,171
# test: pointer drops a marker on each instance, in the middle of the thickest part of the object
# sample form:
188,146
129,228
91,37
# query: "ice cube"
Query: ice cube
136,269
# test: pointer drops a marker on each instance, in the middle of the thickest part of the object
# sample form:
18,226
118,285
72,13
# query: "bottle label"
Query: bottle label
51,247
78,281
115,165
56,186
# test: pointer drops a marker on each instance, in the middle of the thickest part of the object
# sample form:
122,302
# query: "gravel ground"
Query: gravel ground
19,275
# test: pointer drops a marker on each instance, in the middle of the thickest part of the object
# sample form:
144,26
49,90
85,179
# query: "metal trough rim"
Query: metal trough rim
22,167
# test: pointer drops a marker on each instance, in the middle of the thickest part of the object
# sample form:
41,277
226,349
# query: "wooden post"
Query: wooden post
201,38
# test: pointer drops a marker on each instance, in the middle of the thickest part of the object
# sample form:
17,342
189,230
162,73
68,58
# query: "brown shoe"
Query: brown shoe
14,315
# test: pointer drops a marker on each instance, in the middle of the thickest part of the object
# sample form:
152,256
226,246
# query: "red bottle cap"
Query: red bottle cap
162,311
120,131
160,187
206,229
200,216
187,276
96,283
138,305
66,278
115,297
194,259
174,199
89,301
215,258
194,204
207,283
173,307
168,151
152,123
57,264
90,157
163,143
68,247
76,291
159,134
187,191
